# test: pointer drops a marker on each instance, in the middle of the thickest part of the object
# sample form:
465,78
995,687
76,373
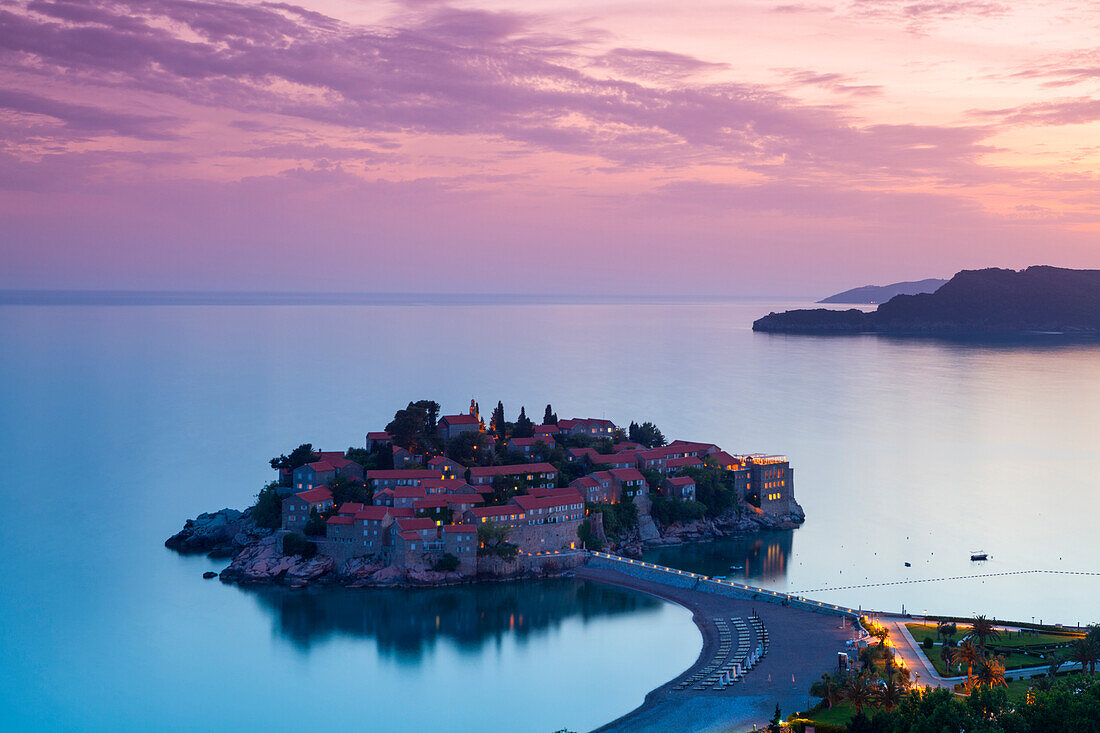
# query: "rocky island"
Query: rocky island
441,500
1039,299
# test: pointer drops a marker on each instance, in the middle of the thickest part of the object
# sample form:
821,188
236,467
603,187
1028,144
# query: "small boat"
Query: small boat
977,556
908,564
737,567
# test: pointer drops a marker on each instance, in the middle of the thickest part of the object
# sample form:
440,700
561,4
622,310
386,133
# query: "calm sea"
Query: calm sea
118,422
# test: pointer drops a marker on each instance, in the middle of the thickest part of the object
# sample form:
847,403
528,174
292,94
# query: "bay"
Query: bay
117,423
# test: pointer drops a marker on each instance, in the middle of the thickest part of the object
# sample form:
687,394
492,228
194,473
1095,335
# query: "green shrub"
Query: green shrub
296,544
590,540
268,509
316,526
927,643
446,564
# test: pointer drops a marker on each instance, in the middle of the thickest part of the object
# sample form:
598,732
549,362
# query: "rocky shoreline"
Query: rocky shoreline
257,556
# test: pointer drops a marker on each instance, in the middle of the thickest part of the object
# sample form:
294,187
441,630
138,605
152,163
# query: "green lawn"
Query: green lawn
920,632
840,714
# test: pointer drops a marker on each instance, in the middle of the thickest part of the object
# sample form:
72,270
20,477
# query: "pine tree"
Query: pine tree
496,423
548,417
524,428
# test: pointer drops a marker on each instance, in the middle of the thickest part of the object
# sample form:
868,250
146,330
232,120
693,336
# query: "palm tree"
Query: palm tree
825,688
947,654
983,629
891,695
970,655
991,674
1086,652
860,690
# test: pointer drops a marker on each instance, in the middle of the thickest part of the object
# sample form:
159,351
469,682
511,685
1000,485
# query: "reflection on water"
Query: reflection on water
406,623
752,559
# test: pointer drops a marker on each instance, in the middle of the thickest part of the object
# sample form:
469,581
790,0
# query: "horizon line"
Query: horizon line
22,296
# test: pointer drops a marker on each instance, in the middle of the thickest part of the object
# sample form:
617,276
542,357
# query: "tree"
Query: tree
493,540
300,456
983,629
349,488
891,694
524,427
315,527
970,655
646,434
267,512
777,717
588,537
1054,662
448,563
408,425
431,415
859,690
991,673
496,422
826,688
548,417
296,544
471,448
1084,651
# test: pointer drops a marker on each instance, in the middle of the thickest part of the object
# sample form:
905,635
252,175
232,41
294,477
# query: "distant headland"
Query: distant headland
1039,299
874,294
434,500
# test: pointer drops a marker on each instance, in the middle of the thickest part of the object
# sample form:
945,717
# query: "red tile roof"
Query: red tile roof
523,442
459,528
549,492
341,520
380,436
409,535
494,511
681,481
586,421
321,493
463,498
585,481
627,474
449,485
321,466
547,429
412,473
528,502
482,471
601,460
431,502
378,513
459,419
406,524
724,459
444,461
409,492
685,461
350,507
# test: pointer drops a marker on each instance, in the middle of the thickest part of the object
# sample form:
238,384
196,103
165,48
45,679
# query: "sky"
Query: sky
733,147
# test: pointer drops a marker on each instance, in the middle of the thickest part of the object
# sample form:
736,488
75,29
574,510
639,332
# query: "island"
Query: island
1039,299
873,294
435,500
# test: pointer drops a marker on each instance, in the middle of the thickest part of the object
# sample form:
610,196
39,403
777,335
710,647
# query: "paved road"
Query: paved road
803,645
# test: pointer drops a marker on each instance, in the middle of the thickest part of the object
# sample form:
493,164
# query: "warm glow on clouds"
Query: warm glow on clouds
745,148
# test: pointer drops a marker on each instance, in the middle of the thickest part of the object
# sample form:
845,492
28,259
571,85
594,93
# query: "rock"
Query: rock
388,575
223,533
647,530
264,562
209,574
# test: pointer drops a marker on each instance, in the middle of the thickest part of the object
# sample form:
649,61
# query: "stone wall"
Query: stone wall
533,538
